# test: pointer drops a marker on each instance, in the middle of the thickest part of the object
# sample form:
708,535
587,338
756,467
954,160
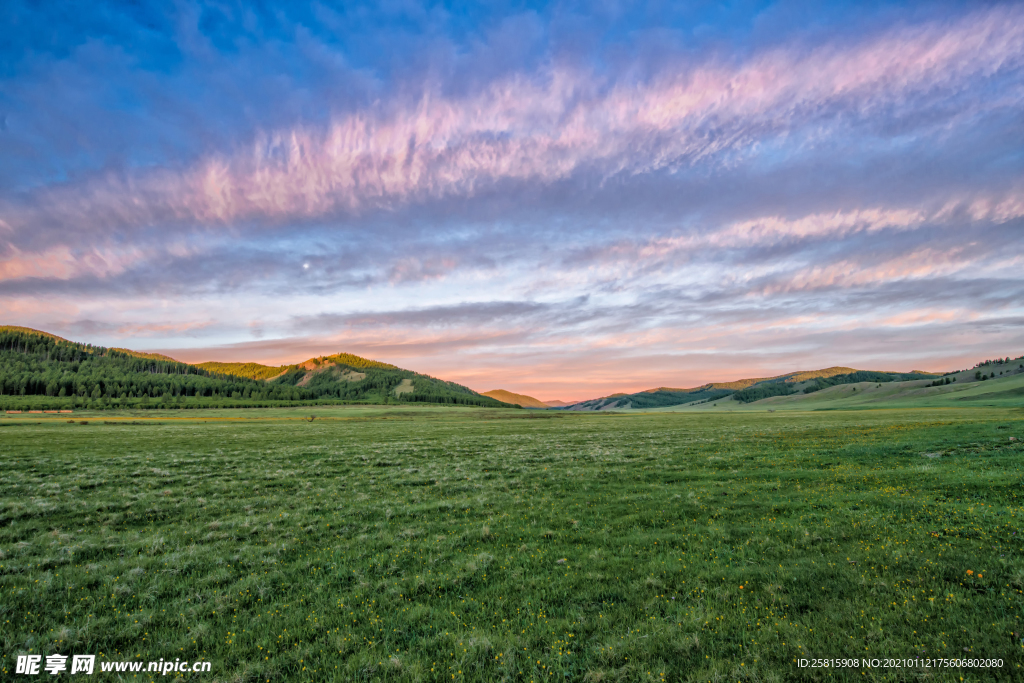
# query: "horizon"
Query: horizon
293,362
563,201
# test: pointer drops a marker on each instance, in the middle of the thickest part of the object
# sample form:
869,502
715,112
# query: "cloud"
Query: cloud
502,313
549,127
504,209
61,263
131,331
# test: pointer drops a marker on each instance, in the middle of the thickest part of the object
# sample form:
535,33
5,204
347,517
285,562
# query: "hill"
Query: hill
352,378
989,384
17,329
257,371
736,385
143,354
247,370
517,399
128,352
743,390
997,382
556,404
38,369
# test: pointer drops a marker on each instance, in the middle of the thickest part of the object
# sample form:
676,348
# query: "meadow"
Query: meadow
435,543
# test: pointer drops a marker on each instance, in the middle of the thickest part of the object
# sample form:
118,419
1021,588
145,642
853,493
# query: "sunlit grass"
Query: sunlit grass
443,544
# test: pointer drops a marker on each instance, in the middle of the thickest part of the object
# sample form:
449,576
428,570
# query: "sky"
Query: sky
563,200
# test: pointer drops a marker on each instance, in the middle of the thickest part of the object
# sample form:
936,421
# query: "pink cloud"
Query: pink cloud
546,128
131,330
63,263
922,263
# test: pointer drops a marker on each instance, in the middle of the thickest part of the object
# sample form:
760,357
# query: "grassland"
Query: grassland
465,544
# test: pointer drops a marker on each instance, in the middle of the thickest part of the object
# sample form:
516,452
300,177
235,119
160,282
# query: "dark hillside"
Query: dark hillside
54,372
43,371
377,383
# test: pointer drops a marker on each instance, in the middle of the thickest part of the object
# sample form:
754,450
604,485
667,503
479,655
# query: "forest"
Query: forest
41,371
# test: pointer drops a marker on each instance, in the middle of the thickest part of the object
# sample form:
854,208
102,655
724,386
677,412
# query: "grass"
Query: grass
457,544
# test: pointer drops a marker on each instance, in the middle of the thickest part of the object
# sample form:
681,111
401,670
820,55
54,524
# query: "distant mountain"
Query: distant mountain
257,371
517,399
738,384
743,390
38,368
556,404
996,383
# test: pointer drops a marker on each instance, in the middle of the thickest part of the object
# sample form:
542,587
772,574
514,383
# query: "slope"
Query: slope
743,390
38,369
988,384
17,329
258,371
738,384
517,399
352,378
246,370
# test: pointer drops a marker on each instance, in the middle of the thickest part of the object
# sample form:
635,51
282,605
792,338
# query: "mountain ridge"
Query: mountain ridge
37,366
259,371
517,399
743,388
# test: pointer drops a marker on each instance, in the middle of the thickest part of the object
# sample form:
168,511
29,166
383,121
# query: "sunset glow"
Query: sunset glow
562,202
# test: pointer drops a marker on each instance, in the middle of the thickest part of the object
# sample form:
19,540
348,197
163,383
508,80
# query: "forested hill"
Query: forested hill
257,371
128,352
42,371
746,390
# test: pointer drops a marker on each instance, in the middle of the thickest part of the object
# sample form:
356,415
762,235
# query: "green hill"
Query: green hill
143,354
43,371
16,329
991,383
246,370
743,390
347,377
351,378
518,399
257,371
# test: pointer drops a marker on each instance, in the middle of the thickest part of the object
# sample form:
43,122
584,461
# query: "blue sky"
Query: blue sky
558,199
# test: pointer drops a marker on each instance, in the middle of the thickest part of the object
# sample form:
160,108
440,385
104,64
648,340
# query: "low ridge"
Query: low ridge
742,390
41,369
134,354
516,399
258,371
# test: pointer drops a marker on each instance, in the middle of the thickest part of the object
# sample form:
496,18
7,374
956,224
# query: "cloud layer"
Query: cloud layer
558,221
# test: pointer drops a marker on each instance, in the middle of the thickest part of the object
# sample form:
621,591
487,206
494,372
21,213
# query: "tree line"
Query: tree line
35,366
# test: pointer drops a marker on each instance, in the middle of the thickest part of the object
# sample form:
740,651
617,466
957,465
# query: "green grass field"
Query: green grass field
464,544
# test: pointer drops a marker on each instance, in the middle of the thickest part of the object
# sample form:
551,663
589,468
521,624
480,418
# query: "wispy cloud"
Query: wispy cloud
547,127
504,210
